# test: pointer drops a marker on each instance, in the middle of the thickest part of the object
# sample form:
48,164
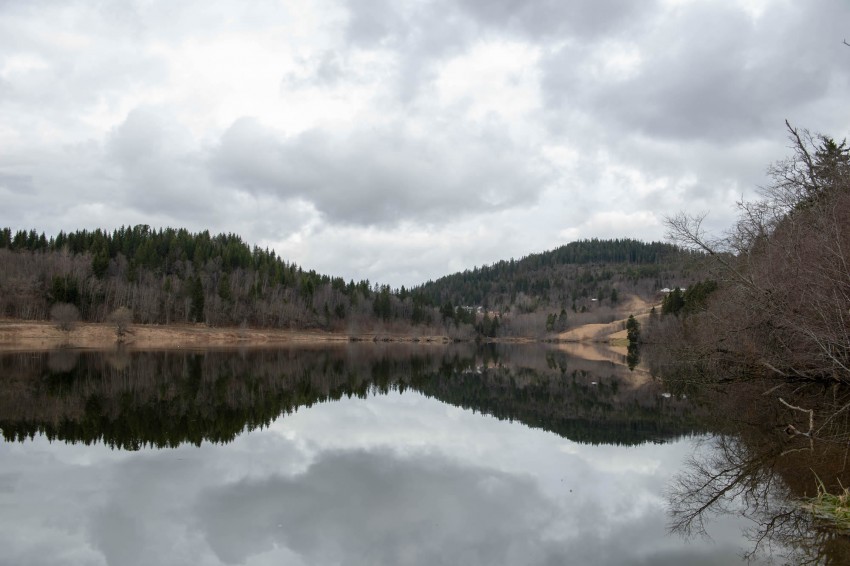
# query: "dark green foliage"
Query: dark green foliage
64,290
633,329
696,296
586,268
224,287
196,294
382,306
556,322
673,302
830,169
465,315
447,311
633,356
488,327
100,257
24,240
633,335
690,301
418,316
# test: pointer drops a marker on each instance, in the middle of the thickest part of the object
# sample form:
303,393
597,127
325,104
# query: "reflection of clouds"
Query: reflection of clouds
377,508
395,479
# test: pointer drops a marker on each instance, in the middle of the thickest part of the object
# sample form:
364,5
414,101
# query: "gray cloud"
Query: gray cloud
554,19
162,170
15,183
66,70
419,36
374,21
374,508
382,176
710,72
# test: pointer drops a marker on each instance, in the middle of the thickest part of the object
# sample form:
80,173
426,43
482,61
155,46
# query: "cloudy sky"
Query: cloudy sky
399,141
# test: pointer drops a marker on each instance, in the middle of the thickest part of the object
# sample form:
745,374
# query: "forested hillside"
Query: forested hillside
174,276
567,277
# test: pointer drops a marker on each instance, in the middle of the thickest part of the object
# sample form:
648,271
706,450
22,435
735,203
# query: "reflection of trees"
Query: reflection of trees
581,406
131,399
765,461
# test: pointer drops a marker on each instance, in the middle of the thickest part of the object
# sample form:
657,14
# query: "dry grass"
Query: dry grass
833,510
17,335
612,332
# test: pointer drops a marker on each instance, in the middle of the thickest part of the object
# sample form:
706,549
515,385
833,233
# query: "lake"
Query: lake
360,454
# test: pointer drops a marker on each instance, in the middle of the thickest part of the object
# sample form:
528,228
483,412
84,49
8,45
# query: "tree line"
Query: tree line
172,275
569,277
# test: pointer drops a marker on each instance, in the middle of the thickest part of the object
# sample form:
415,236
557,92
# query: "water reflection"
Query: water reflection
398,470
162,399
773,446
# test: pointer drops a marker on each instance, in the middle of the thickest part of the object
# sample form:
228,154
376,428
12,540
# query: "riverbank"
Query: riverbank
29,335
19,335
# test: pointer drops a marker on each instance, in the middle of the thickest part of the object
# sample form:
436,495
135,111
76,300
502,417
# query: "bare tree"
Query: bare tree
751,468
65,315
121,318
784,268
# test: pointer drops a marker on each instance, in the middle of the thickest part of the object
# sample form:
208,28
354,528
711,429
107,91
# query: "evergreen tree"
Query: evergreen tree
196,290
673,302
562,321
224,288
632,330
382,306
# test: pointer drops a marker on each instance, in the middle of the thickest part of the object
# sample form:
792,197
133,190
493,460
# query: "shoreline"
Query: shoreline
36,335
32,335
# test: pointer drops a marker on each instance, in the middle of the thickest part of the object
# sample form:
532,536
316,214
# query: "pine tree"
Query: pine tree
632,330
196,313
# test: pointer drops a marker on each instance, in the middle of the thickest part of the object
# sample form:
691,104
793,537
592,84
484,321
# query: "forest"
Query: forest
165,276
171,275
567,276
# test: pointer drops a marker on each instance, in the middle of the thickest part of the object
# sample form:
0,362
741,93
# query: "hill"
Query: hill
584,282
170,276
174,276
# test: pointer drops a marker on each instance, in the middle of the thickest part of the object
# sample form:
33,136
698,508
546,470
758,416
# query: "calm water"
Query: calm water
356,455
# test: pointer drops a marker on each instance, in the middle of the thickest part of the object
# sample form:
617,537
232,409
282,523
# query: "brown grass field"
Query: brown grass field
590,341
18,335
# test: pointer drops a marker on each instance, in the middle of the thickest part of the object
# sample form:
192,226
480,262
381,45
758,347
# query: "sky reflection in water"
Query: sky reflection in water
392,479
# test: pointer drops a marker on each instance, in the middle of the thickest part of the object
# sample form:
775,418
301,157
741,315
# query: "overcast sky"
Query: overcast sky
401,141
